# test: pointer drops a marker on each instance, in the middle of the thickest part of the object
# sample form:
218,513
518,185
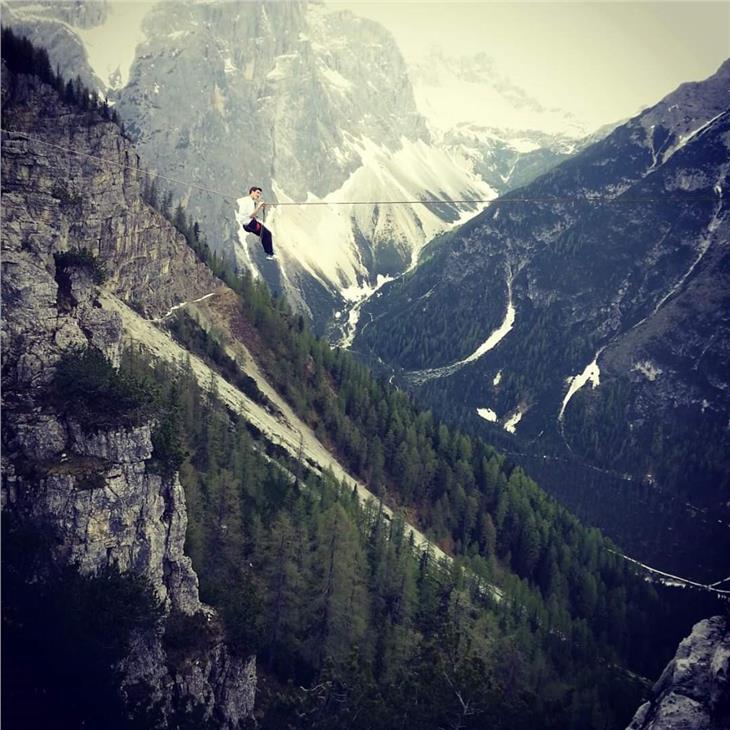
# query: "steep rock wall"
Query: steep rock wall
73,182
92,483
694,689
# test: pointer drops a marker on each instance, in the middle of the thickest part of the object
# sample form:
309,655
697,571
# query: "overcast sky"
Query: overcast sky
602,61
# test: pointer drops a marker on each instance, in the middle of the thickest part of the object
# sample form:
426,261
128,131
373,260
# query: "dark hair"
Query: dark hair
254,187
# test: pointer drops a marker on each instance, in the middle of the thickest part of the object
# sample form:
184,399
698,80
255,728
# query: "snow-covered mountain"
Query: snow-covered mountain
313,105
493,127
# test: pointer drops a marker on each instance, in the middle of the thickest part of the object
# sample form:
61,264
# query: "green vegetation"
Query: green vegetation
666,448
168,449
22,57
162,202
193,337
333,598
416,331
473,501
87,387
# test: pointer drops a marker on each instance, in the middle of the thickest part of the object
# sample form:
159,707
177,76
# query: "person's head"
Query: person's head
254,192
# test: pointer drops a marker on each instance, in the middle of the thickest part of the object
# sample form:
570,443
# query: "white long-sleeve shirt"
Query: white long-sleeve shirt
248,206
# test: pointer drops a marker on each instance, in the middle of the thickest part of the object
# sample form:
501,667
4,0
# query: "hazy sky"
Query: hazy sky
601,60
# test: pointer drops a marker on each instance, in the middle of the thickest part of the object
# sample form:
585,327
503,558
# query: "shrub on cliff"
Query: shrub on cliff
89,388
81,258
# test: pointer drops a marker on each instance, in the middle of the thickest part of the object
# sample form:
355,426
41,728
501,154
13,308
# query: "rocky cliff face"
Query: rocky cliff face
85,181
302,102
84,14
93,484
694,689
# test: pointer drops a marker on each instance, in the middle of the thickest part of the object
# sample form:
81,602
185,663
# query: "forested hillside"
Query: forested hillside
352,626
562,585
608,280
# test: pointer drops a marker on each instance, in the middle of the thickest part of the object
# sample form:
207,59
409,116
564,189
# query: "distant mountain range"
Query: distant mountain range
316,106
589,313
489,124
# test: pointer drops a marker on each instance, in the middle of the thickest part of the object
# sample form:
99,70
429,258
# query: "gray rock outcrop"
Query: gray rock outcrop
72,181
693,692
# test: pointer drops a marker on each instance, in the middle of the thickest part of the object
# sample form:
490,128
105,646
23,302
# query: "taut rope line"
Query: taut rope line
493,201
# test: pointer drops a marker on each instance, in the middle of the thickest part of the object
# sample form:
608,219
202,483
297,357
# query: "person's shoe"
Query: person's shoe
271,257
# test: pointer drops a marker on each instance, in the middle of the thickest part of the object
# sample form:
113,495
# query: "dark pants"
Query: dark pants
263,233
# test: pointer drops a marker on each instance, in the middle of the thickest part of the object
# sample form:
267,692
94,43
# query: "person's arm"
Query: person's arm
257,208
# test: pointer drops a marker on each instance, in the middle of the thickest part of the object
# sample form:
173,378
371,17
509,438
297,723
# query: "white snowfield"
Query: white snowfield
591,373
487,414
321,234
359,295
285,430
510,424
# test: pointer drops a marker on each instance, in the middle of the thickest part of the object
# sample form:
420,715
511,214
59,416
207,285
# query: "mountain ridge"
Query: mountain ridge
234,483
586,267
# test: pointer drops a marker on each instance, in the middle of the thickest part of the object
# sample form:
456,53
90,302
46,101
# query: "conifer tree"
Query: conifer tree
282,550
338,610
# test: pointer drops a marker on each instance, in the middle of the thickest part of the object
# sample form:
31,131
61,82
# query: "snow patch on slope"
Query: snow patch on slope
359,295
416,171
421,376
112,46
591,373
487,414
499,334
510,424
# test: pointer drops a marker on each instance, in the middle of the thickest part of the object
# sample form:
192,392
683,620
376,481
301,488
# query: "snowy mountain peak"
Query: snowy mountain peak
367,227
453,91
